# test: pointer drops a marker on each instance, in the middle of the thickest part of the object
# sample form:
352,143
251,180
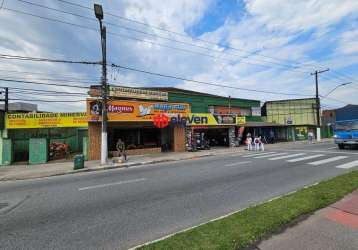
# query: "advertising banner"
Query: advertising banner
200,119
129,111
46,120
240,120
116,91
193,119
256,111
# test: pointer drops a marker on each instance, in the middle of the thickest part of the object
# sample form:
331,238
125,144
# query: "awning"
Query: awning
263,124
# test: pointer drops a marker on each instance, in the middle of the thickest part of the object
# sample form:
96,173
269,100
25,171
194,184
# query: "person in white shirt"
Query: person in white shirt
257,143
310,137
249,141
261,146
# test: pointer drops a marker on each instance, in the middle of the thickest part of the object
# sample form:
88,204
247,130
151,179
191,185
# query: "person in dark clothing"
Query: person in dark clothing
121,148
272,137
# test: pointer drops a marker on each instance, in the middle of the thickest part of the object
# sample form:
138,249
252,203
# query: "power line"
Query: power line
51,79
28,92
343,76
151,34
40,100
201,82
334,99
180,34
141,40
19,97
72,77
43,83
38,59
41,90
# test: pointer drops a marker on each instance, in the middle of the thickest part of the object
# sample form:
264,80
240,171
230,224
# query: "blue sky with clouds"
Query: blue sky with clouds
257,44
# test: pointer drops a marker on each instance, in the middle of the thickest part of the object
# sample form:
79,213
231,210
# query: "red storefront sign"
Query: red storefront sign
161,120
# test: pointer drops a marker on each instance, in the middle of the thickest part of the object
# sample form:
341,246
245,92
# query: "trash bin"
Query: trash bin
79,162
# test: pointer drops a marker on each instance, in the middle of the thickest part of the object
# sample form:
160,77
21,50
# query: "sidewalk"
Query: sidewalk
22,172
332,228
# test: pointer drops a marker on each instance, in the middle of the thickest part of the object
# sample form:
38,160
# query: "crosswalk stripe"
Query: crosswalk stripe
236,163
285,157
305,158
256,154
348,165
336,158
266,156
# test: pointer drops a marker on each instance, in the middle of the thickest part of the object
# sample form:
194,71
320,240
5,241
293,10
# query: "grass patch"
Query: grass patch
248,226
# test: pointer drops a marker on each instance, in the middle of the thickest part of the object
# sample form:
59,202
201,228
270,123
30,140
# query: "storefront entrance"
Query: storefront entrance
141,139
214,136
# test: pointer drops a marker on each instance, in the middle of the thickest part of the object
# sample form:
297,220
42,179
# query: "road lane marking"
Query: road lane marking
236,163
267,156
305,158
316,163
332,148
256,154
344,152
111,184
286,156
348,165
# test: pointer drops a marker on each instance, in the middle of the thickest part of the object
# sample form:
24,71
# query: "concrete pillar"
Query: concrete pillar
179,139
94,141
318,134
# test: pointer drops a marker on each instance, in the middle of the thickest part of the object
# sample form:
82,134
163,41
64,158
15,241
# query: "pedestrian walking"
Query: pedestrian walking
261,145
310,137
272,137
257,143
121,148
249,141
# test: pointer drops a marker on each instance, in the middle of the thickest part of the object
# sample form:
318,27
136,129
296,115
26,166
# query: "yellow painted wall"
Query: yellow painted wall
301,112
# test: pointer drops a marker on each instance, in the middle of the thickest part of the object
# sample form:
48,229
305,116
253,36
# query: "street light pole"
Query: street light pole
339,85
104,144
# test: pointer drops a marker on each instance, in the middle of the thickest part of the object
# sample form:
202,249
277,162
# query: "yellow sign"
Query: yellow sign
129,111
46,120
240,120
207,119
114,91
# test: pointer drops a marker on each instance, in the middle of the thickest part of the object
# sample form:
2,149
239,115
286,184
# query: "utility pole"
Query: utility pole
104,144
6,100
229,104
318,105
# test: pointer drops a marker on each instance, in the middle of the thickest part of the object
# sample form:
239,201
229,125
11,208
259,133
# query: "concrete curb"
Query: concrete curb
133,164
108,167
225,215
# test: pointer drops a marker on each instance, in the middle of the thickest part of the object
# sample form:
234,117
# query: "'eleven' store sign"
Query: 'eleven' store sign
196,119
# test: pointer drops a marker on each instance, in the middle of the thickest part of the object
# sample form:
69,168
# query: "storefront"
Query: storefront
39,137
144,126
294,118
212,130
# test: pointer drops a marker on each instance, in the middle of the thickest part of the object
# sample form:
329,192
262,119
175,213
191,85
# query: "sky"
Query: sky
269,46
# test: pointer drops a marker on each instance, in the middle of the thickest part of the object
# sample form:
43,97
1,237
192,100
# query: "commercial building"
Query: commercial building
225,116
38,137
166,119
294,118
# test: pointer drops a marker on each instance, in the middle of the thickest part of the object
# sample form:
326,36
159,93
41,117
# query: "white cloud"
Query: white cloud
293,16
349,42
267,28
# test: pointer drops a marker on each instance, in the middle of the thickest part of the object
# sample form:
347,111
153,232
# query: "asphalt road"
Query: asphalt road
118,209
